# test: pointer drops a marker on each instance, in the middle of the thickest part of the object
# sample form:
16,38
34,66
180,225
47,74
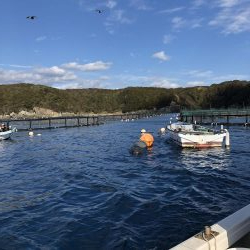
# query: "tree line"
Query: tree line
17,97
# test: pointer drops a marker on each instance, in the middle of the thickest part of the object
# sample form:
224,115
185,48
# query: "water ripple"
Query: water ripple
80,188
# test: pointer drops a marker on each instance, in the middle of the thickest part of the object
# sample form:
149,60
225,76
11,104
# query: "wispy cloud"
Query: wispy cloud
233,17
228,3
111,4
198,3
168,38
95,66
172,10
16,66
141,4
120,17
207,77
199,73
178,22
41,38
161,56
116,17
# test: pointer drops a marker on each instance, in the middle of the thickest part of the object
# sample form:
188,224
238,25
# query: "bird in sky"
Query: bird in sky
31,17
98,11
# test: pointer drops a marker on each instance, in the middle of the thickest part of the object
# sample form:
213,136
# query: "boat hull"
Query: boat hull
189,140
5,135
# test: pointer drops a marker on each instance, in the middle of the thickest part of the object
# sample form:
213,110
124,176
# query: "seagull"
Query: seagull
31,17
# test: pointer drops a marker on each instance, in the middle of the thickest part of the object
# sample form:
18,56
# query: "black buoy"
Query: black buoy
138,148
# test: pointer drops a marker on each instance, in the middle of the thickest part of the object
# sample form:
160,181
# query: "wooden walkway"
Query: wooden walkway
72,121
219,116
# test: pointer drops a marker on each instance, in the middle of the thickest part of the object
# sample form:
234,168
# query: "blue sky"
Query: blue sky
162,43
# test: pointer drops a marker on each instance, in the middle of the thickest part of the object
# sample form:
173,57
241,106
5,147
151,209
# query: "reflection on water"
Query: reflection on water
197,159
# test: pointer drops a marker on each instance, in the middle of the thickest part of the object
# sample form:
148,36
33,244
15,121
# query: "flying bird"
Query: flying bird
98,11
31,17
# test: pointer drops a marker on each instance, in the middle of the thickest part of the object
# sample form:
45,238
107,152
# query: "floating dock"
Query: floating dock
70,121
217,116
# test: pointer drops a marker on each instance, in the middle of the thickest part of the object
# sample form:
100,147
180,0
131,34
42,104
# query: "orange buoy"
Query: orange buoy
147,138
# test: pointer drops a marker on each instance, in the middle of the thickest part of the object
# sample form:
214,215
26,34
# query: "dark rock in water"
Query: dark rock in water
138,148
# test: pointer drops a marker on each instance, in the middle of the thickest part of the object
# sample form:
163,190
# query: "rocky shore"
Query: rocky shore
44,113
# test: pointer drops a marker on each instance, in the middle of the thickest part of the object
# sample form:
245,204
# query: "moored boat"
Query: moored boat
196,136
4,135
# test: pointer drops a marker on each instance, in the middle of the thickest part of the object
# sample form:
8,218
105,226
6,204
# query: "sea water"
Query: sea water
79,188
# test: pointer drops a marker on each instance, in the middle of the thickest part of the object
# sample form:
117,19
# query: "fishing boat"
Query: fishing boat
233,232
4,135
196,136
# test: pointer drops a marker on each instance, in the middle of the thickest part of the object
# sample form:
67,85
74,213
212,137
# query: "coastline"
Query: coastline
37,113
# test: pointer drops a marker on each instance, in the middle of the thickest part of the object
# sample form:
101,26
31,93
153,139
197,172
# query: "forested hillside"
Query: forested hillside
17,97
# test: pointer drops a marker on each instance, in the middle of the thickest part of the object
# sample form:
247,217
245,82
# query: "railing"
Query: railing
217,116
220,112
70,121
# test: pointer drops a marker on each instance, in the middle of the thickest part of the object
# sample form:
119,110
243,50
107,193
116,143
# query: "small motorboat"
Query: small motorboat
196,136
4,135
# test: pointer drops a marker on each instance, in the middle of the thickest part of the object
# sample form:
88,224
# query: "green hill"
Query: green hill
17,97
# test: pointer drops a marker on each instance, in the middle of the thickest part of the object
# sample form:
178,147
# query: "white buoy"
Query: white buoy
39,134
31,133
162,131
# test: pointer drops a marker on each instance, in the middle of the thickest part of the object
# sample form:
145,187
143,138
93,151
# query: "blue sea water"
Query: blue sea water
79,188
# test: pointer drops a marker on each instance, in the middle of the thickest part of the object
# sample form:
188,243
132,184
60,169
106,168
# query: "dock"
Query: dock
70,121
227,117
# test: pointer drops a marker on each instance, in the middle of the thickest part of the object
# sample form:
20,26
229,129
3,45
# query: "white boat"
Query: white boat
232,233
4,135
196,136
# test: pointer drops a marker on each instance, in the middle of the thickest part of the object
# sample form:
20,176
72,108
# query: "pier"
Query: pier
217,116
70,121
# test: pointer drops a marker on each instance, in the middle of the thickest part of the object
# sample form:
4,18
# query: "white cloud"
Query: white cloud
196,83
95,66
55,70
80,83
161,56
164,83
168,38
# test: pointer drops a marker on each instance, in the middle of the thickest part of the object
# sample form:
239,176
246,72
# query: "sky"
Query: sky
115,44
